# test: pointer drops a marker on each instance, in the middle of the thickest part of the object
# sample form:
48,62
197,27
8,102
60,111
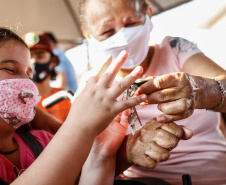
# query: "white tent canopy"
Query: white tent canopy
57,16
201,21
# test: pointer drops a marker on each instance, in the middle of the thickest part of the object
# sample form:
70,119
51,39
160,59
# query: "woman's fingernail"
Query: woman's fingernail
159,107
188,102
161,119
143,97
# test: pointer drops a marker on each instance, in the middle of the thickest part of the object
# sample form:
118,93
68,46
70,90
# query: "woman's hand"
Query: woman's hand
173,93
154,141
178,94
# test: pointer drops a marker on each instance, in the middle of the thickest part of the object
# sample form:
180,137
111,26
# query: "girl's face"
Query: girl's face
105,18
15,66
14,60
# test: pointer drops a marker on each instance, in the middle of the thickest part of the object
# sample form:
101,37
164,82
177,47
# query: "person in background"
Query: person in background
181,83
92,138
44,62
79,58
64,65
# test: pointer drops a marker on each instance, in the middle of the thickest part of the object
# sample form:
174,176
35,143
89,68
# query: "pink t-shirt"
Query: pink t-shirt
204,155
26,156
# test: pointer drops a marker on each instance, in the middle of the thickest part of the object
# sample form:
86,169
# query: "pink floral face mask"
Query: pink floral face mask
18,98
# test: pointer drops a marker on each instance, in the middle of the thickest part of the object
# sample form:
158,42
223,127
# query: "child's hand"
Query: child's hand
109,141
96,106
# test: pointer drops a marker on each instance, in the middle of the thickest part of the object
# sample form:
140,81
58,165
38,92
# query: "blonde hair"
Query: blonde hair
144,4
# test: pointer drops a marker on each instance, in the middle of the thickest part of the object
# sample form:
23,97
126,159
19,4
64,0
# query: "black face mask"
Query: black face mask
41,71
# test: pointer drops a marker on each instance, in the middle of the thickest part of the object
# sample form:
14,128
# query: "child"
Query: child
91,113
85,133
65,65
43,62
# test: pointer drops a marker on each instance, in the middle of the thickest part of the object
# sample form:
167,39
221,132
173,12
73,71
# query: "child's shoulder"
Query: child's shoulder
42,136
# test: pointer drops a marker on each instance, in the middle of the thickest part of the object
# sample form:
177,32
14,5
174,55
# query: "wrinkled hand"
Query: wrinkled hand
174,93
153,142
107,143
97,102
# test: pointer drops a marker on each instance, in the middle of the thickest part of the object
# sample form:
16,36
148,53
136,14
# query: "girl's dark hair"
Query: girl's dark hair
7,34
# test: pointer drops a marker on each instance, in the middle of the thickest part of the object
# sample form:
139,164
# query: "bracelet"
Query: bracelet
223,93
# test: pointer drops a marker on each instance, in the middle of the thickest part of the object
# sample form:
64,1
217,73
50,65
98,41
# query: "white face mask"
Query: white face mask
132,39
18,98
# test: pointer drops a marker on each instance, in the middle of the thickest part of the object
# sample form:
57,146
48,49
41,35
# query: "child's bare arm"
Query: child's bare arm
99,167
91,112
